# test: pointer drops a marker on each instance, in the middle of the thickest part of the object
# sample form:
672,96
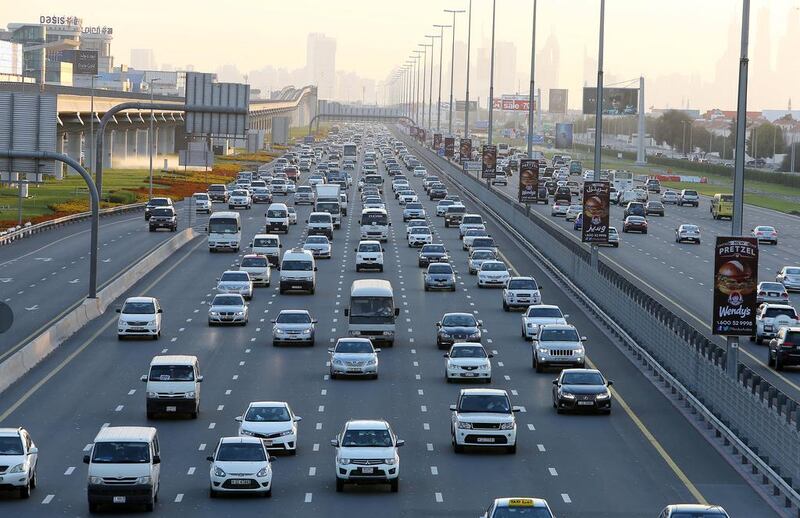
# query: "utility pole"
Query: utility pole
430,89
531,90
452,68
441,48
469,42
491,77
598,132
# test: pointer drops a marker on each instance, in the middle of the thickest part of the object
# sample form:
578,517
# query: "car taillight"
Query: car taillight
788,344
762,292
785,295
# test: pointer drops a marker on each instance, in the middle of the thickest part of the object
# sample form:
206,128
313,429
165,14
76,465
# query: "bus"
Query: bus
349,150
621,180
224,231
371,312
375,224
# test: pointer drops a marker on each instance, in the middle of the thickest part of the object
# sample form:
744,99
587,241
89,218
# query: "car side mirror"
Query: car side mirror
516,409
217,279
238,419
199,379
315,268
480,323
453,408
330,349
160,310
273,321
118,310
378,350
566,316
313,320
399,443
438,324
355,250
143,378
205,229
33,451
335,442
490,355
86,459
396,311
383,249
347,312
609,383
210,458
297,418
156,459
446,355
583,339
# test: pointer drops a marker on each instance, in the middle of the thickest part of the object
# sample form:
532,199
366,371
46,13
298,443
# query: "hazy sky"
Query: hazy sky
681,42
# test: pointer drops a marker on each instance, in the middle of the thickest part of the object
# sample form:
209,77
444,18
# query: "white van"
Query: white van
224,231
173,385
375,224
277,218
268,245
298,271
371,312
124,467
320,223
369,255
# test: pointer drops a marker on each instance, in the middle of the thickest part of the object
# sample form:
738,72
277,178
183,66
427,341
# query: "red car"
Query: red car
635,224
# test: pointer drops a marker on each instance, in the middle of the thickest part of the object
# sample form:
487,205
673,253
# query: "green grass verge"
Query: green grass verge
758,200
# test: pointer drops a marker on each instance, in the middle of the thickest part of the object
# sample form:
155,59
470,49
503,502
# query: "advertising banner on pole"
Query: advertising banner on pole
616,101
437,140
558,100
462,105
735,278
528,181
512,103
564,135
594,228
489,162
449,147
465,149
472,166
413,131
421,134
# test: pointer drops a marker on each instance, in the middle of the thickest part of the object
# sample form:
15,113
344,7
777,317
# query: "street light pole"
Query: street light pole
732,355
417,110
598,124
425,75
441,48
469,47
452,69
430,89
491,76
152,138
531,92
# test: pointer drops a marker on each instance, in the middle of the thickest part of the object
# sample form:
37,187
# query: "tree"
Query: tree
669,128
763,139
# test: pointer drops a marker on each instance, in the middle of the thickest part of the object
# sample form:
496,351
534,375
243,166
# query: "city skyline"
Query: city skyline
697,68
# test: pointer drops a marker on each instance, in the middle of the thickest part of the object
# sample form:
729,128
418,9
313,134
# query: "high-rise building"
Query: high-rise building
505,68
143,59
321,64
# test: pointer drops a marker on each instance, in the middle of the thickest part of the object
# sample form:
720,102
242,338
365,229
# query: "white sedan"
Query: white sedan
493,274
273,422
468,360
687,233
418,236
233,458
765,234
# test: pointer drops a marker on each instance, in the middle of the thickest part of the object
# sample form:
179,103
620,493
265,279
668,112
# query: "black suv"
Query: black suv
784,349
457,327
563,193
634,208
156,202
163,217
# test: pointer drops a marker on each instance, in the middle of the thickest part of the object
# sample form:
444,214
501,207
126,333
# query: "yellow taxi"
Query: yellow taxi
513,507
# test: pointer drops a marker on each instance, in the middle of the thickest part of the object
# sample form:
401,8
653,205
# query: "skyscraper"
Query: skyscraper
143,59
321,64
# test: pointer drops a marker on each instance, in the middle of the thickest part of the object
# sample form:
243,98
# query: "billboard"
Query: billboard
465,149
437,140
528,181
564,135
512,103
595,212
449,147
558,100
83,61
616,101
462,105
216,109
489,162
735,278
28,123
421,134
413,131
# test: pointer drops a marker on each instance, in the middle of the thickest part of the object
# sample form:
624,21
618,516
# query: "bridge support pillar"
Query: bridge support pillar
119,145
130,143
108,150
60,144
74,146
141,143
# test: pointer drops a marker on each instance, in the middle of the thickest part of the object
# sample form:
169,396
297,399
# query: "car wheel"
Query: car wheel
512,449
212,493
25,491
394,485
268,493
339,485
34,480
380,269
770,361
505,307
539,367
778,363
93,507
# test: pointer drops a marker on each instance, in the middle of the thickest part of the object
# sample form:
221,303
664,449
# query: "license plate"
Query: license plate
585,403
367,471
119,499
469,374
485,439
172,409
240,482
296,286
354,370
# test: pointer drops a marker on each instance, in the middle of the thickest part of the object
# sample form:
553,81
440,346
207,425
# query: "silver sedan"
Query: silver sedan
227,309
354,357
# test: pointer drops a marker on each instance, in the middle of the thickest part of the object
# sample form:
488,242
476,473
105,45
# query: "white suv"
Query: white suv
470,221
369,254
521,292
483,417
139,316
19,458
366,452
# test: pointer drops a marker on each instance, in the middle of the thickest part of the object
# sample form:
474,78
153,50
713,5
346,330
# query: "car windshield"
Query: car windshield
171,373
483,255
354,346
223,226
369,247
11,446
690,228
221,188
267,414
440,268
522,284
433,249
420,230
544,313
690,193
121,453
254,262
294,318
474,232
559,335
276,213
265,242
139,308
235,277
792,271
317,240
294,266
159,202
367,439
201,197
492,266
776,312
525,512
765,229
228,300
582,378
319,218
459,321
485,403
483,242
241,452
468,352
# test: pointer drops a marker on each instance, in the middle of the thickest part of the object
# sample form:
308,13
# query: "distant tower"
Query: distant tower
790,104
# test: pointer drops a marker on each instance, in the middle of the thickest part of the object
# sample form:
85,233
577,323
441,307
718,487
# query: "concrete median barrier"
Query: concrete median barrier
22,361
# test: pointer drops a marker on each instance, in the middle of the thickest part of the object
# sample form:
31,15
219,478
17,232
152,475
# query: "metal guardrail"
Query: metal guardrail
8,236
758,422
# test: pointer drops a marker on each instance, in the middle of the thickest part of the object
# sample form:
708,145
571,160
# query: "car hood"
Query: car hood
254,269
292,327
468,362
584,389
354,357
545,320
113,470
132,318
439,276
316,246
484,417
231,467
227,308
266,427
233,284
459,330
483,273
554,344
351,452
433,254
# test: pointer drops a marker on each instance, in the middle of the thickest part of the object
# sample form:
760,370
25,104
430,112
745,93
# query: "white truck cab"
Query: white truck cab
173,385
369,255
277,218
298,271
268,245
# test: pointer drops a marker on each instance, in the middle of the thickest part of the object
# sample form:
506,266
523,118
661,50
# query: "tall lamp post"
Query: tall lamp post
152,138
441,48
417,89
469,47
531,91
598,124
491,78
424,75
452,68
430,88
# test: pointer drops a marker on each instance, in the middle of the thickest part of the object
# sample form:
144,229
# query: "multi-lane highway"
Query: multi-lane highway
683,273
44,276
631,463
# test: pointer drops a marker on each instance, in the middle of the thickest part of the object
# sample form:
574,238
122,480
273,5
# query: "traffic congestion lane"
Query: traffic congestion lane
708,472
43,282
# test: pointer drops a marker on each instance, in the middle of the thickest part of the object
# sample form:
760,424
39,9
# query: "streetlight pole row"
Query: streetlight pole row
441,48
452,68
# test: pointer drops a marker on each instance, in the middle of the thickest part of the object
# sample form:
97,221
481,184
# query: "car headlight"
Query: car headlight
219,472
464,426
343,461
483,367
19,468
567,395
580,351
507,426
391,461
476,334
214,313
247,432
95,480
263,472
529,324
152,394
542,350
371,361
286,432
190,394
603,396
338,362
240,313
143,479
444,334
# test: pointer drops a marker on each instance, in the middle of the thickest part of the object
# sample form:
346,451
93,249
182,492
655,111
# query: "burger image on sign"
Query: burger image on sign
735,279
489,158
594,209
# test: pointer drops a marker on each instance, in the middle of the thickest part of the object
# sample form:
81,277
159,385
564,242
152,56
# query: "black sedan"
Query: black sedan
437,191
581,389
440,276
457,327
432,253
635,224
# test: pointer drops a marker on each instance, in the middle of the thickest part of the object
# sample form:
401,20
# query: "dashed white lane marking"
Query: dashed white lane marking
420,392
211,426
434,470
220,407
566,498
202,447
553,472
235,376
87,447
321,408
315,447
423,408
426,426
514,392
323,392
163,351
69,470
540,447
119,408
228,392
531,427
417,376
131,392
191,471
312,471
178,498
429,446
319,426
308,498
48,499
439,497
